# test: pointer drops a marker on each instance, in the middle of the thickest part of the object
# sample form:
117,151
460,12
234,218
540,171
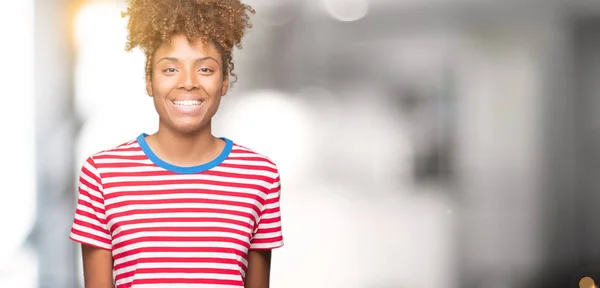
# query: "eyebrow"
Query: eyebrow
173,59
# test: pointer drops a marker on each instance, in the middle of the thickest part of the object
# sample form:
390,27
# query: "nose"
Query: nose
188,80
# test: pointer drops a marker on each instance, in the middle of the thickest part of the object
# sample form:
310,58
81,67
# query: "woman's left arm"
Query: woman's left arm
259,269
267,236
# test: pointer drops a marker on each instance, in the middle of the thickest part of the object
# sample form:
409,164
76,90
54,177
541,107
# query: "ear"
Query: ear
225,84
149,85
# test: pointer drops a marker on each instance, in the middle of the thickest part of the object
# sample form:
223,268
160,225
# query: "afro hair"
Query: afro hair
220,22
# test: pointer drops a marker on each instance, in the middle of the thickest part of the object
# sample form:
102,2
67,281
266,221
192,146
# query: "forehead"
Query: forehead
182,48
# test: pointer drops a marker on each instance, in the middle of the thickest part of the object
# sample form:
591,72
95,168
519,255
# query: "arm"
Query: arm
267,236
90,229
97,267
259,269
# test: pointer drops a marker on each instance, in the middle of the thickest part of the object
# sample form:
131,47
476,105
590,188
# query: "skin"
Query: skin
259,269
182,70
97,267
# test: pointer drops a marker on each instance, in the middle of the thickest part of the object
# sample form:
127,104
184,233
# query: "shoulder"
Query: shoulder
129,148
251,159
239,151
260,165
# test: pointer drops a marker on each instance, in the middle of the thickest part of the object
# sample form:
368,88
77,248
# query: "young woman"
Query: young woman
180,207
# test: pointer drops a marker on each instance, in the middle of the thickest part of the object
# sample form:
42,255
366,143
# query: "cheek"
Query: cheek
162,86
213,87
212,84
159,104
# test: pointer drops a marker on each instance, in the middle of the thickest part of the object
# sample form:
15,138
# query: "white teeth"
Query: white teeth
187,102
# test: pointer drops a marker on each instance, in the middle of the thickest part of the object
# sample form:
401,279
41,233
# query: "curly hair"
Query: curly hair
220,22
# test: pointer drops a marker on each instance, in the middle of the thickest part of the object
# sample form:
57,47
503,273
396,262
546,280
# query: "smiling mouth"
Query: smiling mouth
187,103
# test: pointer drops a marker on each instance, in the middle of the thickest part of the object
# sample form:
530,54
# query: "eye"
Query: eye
205,70
169,70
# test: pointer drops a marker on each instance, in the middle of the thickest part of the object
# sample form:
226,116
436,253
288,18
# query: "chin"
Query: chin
185,125
189,128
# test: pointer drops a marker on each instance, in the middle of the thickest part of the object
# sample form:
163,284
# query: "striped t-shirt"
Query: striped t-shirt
171,226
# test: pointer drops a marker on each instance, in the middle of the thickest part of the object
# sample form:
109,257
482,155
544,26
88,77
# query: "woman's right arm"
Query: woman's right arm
97,267
90,229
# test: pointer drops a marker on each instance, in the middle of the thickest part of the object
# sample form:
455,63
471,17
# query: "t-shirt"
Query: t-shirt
171,226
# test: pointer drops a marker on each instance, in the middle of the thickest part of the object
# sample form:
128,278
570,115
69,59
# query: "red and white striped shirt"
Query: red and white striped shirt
170,226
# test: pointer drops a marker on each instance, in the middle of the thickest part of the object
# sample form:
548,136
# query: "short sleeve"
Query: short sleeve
89,226
268,234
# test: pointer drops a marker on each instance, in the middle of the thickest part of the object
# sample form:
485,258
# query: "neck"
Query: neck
185,149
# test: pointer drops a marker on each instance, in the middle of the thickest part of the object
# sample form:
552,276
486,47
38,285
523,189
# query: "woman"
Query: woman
180,207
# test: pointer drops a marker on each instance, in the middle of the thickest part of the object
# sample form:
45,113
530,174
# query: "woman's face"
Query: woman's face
187,83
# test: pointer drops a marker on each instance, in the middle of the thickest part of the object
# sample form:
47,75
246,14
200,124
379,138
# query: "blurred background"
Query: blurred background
422,143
